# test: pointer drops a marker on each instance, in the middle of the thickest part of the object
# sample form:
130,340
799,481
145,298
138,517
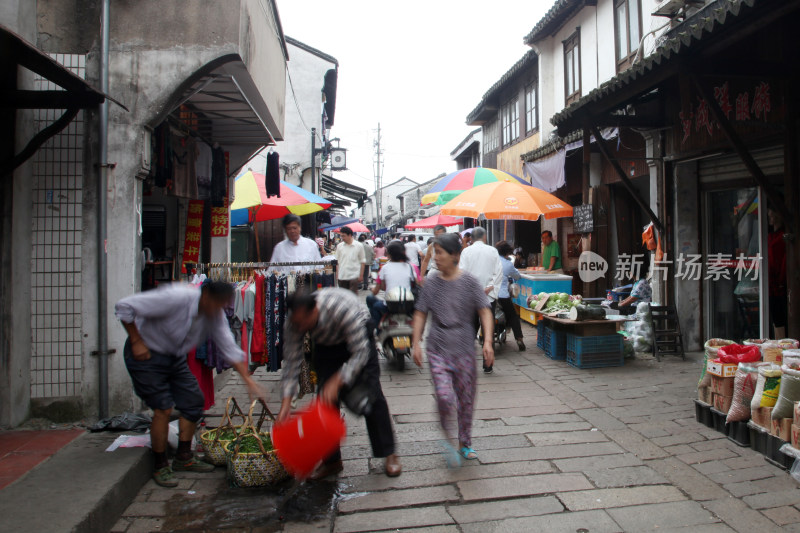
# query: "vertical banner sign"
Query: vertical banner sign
194,228
220,222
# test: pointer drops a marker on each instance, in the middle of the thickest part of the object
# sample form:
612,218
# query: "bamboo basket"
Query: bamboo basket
256,469
213,445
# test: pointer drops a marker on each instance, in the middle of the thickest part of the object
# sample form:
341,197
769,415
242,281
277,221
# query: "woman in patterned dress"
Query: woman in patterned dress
453,297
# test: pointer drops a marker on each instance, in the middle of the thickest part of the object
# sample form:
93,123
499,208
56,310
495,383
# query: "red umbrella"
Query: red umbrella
357,227
436,220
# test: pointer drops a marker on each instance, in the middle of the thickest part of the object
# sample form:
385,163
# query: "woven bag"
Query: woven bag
213,445
256,469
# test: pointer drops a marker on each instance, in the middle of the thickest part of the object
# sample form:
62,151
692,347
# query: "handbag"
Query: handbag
414,285
513,288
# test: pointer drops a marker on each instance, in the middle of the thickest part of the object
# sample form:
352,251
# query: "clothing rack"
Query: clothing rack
333,262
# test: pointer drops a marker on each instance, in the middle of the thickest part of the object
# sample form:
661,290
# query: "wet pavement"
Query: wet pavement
560,449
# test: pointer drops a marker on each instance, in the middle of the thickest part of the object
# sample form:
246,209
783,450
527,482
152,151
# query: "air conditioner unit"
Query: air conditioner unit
422,213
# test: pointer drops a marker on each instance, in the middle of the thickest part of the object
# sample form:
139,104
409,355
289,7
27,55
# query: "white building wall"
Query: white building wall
307,72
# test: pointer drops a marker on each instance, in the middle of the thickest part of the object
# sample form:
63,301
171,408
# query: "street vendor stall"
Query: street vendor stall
534,282
590,343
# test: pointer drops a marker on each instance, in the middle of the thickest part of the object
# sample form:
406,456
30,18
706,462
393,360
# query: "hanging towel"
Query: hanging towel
273,178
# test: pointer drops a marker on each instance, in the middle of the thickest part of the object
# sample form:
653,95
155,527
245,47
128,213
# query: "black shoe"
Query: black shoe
487,369
520,345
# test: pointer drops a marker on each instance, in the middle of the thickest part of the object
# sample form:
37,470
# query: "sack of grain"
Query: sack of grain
711,347
772,384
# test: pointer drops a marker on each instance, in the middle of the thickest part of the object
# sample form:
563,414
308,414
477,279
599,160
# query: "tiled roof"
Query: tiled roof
530,58
557,15
680,42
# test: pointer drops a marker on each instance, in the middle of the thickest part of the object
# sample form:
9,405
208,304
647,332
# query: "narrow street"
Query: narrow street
560,449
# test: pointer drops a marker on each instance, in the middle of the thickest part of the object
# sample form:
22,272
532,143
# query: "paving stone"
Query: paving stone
712,467
773,499
593,463
355,467
679,449
783,515
636,444
568,437
495,488
745,461
146,509
543,419
549,452
738,515
622,497
432,477
306,527
744,488
399,498
122,525
780,481
594,521
629,476
707,528
435,529
411,463
145,525
395,519
695,485
710,455
661,516
499,510
743,474
600,419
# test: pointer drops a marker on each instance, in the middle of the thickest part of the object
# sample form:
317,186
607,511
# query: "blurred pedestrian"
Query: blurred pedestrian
504,296
345,355
396,273
453,297
163,326
427,262
369,257
351,258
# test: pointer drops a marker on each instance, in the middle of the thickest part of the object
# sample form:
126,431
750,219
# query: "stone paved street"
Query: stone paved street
560,449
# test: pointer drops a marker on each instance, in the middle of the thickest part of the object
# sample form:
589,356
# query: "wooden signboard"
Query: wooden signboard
583,218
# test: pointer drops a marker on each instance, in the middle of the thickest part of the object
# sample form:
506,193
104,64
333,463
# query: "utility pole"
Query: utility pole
378,178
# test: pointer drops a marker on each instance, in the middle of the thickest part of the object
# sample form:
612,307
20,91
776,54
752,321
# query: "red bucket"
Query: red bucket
309,436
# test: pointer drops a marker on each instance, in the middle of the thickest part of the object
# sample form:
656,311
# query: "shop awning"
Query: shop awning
337,222
330,187
75,95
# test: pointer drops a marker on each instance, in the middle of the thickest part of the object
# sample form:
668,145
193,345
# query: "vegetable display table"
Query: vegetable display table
589,343
584,328
533,282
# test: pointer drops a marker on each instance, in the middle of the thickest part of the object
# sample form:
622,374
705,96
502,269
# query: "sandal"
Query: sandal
451,455
468,453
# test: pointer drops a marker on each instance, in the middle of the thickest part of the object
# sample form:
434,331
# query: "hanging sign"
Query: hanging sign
194,230
583,218
220,221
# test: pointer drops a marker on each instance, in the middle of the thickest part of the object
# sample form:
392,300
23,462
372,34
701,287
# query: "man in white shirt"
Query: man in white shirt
351,258
412,251
295,248
483,262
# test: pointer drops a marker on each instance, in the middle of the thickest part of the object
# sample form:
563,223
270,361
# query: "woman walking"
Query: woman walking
504,296
453,298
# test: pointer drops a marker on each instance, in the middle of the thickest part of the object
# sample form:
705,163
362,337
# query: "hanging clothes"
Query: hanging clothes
203,170
184,174
219,178
205,378
258,348
273,175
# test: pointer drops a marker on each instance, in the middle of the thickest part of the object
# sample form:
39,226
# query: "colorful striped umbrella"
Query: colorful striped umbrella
507,200
462,180
435,220
357,227
252,205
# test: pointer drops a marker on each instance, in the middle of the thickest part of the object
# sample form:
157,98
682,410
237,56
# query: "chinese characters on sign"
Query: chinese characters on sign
690,267
194,225
220,223
698,119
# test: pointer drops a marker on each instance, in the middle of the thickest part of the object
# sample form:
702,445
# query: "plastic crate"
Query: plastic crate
555,344
595,360
739,434
594,344
759,438
719,421
540,334
775,456
702,412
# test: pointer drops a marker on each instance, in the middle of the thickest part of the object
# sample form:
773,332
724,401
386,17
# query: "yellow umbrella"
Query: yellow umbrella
507,200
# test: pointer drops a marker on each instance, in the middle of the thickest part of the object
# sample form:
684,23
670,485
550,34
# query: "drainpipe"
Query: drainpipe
102,217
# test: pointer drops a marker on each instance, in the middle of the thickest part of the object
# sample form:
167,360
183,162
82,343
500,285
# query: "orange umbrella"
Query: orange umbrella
507,200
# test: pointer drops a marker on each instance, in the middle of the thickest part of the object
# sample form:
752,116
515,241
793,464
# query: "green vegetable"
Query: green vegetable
249,444
225,434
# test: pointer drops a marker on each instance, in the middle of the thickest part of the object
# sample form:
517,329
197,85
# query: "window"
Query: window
490,137
627,31
531,120
510,117
572,68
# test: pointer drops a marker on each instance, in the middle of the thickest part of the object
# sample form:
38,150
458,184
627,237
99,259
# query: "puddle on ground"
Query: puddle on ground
232,508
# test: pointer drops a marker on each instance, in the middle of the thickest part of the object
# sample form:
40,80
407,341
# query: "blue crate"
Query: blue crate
595,360
594,344
540,334
555,344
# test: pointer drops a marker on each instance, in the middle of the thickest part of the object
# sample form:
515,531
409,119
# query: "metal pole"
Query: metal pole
102,216
313,159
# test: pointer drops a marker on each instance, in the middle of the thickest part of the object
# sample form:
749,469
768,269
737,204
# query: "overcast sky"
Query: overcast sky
417,67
